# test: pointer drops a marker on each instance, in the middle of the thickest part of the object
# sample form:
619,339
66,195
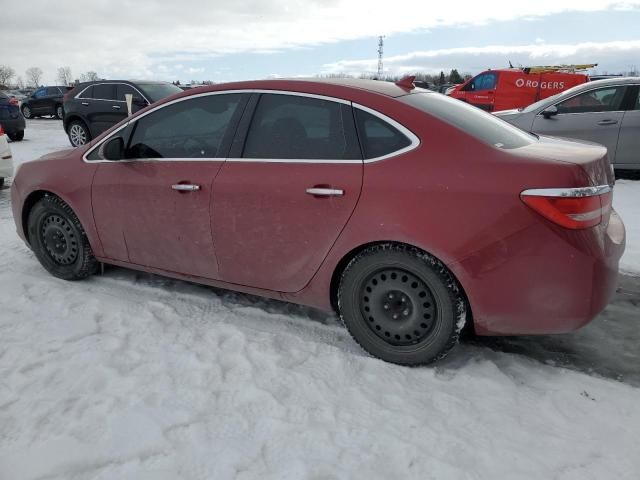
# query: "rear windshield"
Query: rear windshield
478,123
158,91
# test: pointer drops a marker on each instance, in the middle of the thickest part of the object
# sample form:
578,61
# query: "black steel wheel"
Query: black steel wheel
401,305
59,241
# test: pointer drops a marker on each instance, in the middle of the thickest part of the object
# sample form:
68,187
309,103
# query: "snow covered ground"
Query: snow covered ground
132,376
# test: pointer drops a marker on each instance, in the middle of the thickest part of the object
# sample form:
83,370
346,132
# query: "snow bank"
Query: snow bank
131,376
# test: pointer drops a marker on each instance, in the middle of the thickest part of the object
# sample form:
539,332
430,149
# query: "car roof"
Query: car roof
388,89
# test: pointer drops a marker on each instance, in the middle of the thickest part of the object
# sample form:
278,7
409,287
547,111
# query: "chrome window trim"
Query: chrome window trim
78,97
415,141
601,87
569,192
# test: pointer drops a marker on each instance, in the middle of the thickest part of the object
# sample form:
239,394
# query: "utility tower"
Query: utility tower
380,52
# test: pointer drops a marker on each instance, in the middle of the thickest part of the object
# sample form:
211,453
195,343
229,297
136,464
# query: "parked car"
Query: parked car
406,211
605,111
93,107
11,120
509,88
6,159
45,101
17,94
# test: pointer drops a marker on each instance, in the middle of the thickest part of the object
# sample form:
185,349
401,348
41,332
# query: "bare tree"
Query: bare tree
34,75
64,75
89,76
6,74
20,83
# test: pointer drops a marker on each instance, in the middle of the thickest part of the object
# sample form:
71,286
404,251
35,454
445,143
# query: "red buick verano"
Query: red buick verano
405,211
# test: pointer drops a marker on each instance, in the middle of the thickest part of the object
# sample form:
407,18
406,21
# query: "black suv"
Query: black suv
11,120
93,107
45,101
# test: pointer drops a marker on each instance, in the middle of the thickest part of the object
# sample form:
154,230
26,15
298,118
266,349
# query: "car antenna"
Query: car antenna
407,82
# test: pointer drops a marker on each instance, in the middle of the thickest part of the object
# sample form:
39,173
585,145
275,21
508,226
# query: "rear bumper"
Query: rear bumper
544,279
13,125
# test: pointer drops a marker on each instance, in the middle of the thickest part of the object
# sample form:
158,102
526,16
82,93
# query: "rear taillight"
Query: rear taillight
574,208
13,101
1,130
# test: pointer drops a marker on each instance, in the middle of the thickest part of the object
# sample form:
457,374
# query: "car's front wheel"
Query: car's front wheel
59,241
59,112
26,111
78,133
401,304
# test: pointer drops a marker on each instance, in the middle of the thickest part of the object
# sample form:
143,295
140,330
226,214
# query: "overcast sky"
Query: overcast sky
241,39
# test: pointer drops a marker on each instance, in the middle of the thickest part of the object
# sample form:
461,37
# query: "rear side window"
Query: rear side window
104,91
482,125
377,137
53,91
601,100
189,129
298,127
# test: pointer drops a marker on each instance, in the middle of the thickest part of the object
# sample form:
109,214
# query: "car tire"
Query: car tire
401,305
78,133
17,136
59,112
26,111
59,241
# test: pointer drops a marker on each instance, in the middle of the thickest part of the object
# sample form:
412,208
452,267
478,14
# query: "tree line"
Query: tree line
33,77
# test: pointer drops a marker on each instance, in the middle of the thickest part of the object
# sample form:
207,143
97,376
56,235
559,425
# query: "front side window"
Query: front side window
377,137
298,127
104,91
87,93
484,81
607,99
122,89
192,128
40,93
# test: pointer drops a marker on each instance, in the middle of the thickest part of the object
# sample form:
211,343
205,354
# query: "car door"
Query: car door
153,207
279,206
594,115
103,110
38,100
628,152
481,90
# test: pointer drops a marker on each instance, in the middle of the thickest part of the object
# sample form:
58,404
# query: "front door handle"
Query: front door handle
86,104
325,192
607,122
117,107
185,187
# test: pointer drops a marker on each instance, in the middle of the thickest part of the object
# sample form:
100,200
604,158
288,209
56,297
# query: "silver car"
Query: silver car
603,111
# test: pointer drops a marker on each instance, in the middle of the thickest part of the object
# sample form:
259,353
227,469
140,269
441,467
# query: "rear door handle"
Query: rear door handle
86,104
607,122
185,187
116,107
325,192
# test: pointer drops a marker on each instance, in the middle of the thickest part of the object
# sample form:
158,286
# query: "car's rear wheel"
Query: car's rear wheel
26,111
78,133
401,304
59,112
59,241
16,136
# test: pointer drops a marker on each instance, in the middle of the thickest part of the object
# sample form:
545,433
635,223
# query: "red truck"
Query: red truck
508,88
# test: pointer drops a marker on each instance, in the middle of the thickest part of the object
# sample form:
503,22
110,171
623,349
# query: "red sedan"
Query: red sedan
407,212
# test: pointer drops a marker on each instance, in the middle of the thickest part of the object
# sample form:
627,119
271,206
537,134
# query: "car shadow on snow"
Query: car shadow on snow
607,347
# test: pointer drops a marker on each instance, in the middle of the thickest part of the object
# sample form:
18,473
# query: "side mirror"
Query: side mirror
549,112
113,149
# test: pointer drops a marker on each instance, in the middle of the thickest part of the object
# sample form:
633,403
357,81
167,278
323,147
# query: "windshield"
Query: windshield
482,125
158,91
